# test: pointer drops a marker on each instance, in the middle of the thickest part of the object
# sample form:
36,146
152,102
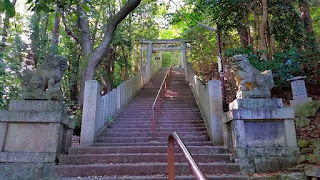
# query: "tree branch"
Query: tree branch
68,30
195,32
102,49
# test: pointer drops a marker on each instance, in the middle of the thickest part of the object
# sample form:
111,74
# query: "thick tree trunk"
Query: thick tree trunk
96,56
74,68
305,15
307,22
262,28
244,37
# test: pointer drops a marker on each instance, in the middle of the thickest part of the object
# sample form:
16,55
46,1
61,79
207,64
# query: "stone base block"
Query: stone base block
262,134
300,101
253,94
260,160
31,134
27,157
25,170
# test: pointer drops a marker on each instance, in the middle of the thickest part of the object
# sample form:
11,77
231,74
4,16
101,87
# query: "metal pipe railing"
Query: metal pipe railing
173,137
158,97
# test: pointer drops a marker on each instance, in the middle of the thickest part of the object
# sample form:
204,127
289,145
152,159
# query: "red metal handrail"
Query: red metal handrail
173,137
158,97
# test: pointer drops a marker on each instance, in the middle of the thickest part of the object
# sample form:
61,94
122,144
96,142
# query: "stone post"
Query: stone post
299,91
142,68
216,111
148,68
160,56
90,112
119,104
184,60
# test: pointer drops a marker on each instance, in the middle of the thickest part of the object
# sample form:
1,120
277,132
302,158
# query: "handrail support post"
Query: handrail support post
171,171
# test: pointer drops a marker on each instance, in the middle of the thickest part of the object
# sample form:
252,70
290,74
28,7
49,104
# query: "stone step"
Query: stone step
138,158
159,118
158,130
158,121
162,177
141,168
159,126
109,133
145,149
185,113
156,143
103,139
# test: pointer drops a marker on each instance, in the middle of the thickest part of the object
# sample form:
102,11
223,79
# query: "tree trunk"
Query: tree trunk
55,32
126,73
35,37
74,68
244,37
307,22
305,15
262,28
96,56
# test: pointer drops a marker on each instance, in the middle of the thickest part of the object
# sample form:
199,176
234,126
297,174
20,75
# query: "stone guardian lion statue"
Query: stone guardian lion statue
44,82
250,79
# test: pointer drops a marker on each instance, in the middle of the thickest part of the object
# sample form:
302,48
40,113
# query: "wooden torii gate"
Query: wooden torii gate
162,45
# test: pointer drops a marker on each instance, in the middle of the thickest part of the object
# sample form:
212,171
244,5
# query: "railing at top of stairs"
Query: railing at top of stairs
158,97
174,137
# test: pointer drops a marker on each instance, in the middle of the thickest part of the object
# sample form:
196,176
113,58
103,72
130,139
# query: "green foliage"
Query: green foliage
77,115
287,26
170,58
7,7
10,87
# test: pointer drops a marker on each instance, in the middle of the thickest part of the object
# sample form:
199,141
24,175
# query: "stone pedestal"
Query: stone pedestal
299,91
261,133
34,131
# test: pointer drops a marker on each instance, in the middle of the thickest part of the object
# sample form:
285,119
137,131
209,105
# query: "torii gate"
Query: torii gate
164,45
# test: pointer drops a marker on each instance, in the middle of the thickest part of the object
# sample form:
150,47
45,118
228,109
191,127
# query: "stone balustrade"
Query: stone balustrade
209,100
99,110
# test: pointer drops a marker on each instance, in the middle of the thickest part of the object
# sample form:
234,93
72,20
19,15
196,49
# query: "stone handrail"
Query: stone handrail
209,100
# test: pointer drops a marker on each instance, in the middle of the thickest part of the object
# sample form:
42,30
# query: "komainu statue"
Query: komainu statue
250,82
44,82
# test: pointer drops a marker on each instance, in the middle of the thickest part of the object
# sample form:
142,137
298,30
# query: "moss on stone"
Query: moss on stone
303,143
307,109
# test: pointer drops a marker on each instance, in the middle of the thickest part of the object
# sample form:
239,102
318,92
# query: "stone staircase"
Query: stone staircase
126,150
